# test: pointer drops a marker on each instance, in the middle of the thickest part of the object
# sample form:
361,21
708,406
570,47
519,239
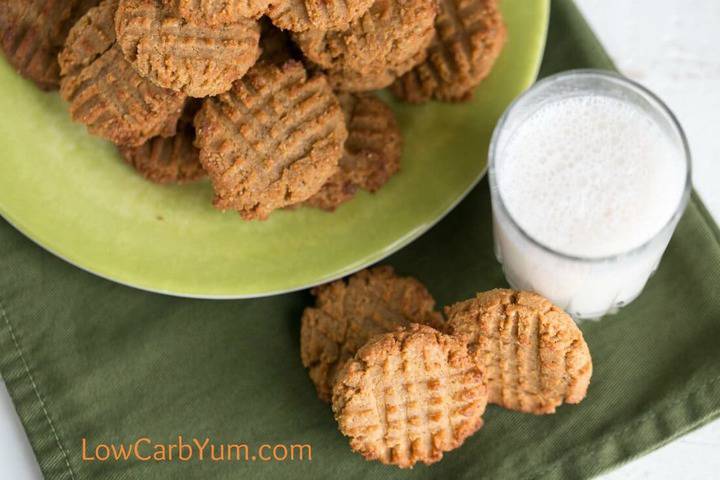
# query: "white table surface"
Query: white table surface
671,46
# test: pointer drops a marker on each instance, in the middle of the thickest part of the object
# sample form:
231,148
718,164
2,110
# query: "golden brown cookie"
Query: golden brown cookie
353,81
169,159
105,92
533,355
349,312
469,37
189,57
409,396
272,141
32,33
387,41
91,36
372,151
301,15
216,12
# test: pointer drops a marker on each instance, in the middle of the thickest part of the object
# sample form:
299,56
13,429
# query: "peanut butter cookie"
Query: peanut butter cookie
273,140
533,355
372,151
469,37
353,81
33,33
169,159
91,36
105,92
348,312
387,41
409,396
194,58
301,15
217,12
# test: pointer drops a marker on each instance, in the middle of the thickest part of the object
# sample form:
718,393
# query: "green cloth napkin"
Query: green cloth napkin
86,358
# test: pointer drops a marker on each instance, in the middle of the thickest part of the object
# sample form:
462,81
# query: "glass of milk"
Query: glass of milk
589,175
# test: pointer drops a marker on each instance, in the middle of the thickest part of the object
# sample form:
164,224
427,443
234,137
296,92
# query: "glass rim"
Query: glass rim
627,83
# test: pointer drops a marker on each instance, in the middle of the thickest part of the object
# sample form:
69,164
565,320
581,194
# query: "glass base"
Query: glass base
577,316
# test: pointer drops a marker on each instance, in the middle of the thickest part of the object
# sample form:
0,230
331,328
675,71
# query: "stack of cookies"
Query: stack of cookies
406,385
269,98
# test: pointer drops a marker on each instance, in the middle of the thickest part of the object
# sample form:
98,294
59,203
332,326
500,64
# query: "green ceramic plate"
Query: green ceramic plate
71,194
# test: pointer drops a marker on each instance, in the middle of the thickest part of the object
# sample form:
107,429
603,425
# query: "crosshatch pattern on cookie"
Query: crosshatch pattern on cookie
409,396
384,43
116,103
90,37
347,313
172,159
272,141
372,151
216,12
33,33
105,92
191,57
301,15
469,37
533,354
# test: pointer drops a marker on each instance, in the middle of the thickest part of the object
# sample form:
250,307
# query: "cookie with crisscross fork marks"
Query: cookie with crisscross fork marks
190,57
349,312
272,141
301,15
533,355
32,33
91,36
469,37
169,159
409,396
381,45
104,90
372,151
216,12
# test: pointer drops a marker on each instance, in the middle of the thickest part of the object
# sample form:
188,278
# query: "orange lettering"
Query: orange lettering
137,449
85,458
236,447
100,457
301,449
159,454
181,448
121,453
201,448
285,453
212,453
264,446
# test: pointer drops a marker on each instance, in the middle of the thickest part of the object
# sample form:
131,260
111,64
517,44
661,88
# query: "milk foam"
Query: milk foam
591,176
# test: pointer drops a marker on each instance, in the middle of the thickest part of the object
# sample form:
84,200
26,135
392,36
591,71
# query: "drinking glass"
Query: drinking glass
586,287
